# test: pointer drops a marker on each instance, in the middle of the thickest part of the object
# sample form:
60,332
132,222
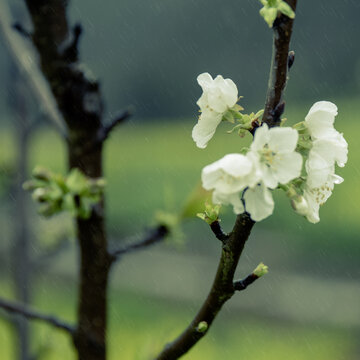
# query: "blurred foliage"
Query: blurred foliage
55,193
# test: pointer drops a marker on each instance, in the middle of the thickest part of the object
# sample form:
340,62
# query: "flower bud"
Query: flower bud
300,205
261,270
202,327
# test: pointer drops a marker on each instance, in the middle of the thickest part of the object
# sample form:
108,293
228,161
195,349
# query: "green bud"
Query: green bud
271,8
41,173
202,327
76,181
210,214
261,270
40,194
286,9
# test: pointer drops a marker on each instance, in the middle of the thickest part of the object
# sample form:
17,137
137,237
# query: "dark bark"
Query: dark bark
79,101
279,68
24,311
221,290
218,231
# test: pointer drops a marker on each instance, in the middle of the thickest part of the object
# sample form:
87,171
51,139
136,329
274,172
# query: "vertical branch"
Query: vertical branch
79,100
274,105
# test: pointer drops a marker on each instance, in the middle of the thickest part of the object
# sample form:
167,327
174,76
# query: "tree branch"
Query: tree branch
221,291
240,285
218,231
279,67
19,309
153,237
117,120
223,286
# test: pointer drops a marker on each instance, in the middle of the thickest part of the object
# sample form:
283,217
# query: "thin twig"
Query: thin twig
244,283
20,309
218,231
117,120
153,237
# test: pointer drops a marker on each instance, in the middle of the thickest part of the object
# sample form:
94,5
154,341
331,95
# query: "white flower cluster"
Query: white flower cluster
328,147
246,181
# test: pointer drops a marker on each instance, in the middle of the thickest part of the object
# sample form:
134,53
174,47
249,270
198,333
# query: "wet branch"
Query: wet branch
224,286
221,291
153,237
218,231
19,309
240,285
281,61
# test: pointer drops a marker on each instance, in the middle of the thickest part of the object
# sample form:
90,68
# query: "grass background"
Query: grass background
155,165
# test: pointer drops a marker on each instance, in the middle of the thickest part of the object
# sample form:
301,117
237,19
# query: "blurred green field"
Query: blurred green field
140,326
152,166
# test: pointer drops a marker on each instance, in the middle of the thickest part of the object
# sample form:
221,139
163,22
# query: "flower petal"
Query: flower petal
320,119
287,167
283,139
259,202
232,199
205,129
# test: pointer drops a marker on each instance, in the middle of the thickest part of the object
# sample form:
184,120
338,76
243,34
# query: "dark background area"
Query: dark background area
149,53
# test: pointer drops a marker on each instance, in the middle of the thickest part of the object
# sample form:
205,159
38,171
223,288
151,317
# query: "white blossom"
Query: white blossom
259,202
229,199
320,119
300,205
230,174
218,96
273,150
315,197
228,177
328,146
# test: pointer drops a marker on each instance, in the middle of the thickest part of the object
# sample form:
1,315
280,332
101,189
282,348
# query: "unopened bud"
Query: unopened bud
261,270
202,327
300,205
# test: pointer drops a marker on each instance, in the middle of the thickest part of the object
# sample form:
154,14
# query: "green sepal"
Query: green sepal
286,9
211,213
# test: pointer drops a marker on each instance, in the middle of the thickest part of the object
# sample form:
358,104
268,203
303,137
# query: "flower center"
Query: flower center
267,155
321,194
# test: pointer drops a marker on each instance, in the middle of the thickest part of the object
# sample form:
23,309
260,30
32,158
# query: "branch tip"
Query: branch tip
22,310
117,120
154,236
